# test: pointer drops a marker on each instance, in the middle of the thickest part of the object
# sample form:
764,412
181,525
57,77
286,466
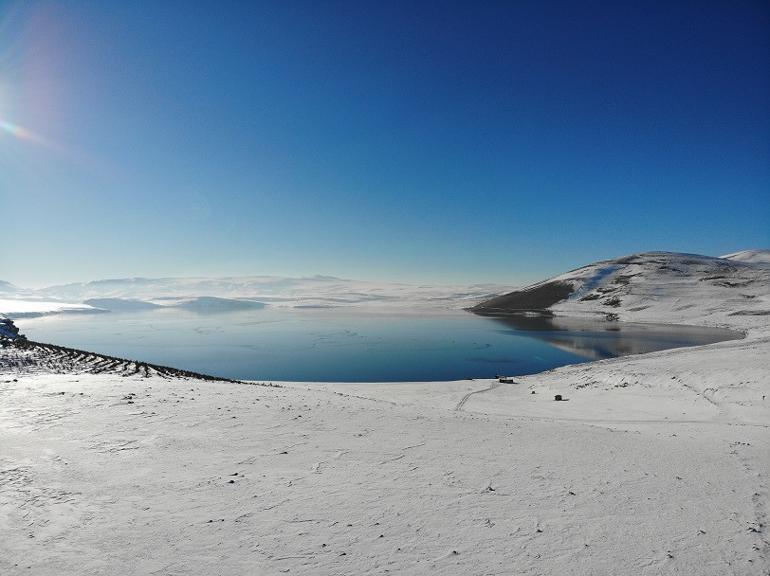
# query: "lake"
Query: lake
357,345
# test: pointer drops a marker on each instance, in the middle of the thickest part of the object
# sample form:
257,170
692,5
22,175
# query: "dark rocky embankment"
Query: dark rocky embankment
536,298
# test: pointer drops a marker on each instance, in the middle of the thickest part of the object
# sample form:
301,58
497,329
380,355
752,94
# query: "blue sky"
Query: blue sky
416,141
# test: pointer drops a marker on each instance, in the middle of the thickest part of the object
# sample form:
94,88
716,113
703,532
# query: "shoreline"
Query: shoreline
737,332
652,463
107,474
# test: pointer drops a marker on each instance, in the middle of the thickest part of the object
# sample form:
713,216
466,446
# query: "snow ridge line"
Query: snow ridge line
61,359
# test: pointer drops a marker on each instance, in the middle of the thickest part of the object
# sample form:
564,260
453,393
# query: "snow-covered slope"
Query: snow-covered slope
7,288
752,256
653,287
657,464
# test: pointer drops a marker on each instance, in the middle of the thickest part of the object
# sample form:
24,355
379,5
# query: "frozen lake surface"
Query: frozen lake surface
356,345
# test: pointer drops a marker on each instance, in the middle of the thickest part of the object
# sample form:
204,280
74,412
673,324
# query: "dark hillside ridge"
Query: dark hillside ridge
537,298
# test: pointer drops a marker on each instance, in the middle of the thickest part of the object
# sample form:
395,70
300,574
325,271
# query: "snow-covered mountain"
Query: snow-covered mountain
653,286
7,288
312,290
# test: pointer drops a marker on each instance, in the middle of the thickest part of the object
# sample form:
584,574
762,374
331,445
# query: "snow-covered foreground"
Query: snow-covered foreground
656,464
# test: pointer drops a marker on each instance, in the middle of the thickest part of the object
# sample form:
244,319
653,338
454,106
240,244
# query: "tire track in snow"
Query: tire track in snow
465,398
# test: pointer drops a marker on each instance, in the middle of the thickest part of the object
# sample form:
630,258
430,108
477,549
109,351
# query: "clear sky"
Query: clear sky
415,141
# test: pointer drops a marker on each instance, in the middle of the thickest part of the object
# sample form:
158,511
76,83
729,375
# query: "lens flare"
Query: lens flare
22,133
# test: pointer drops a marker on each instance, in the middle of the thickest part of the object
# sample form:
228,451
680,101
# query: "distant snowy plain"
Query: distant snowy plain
234,294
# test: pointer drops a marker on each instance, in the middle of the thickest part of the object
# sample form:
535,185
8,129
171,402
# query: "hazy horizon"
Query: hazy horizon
516,278
414,282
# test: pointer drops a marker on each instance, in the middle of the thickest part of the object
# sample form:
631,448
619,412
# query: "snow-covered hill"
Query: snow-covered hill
654,287
8,288
752,256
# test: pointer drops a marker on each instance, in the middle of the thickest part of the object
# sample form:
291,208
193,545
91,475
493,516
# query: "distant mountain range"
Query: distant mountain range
650,286
7,288
232,293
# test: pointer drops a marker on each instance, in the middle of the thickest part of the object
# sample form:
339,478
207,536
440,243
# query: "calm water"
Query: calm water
336,345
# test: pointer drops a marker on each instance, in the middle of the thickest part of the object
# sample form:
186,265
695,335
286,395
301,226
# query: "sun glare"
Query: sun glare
21,133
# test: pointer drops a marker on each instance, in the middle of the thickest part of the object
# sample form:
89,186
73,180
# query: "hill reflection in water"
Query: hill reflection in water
598,339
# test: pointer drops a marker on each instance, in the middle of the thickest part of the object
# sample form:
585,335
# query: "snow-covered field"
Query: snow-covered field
655,464
18,308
